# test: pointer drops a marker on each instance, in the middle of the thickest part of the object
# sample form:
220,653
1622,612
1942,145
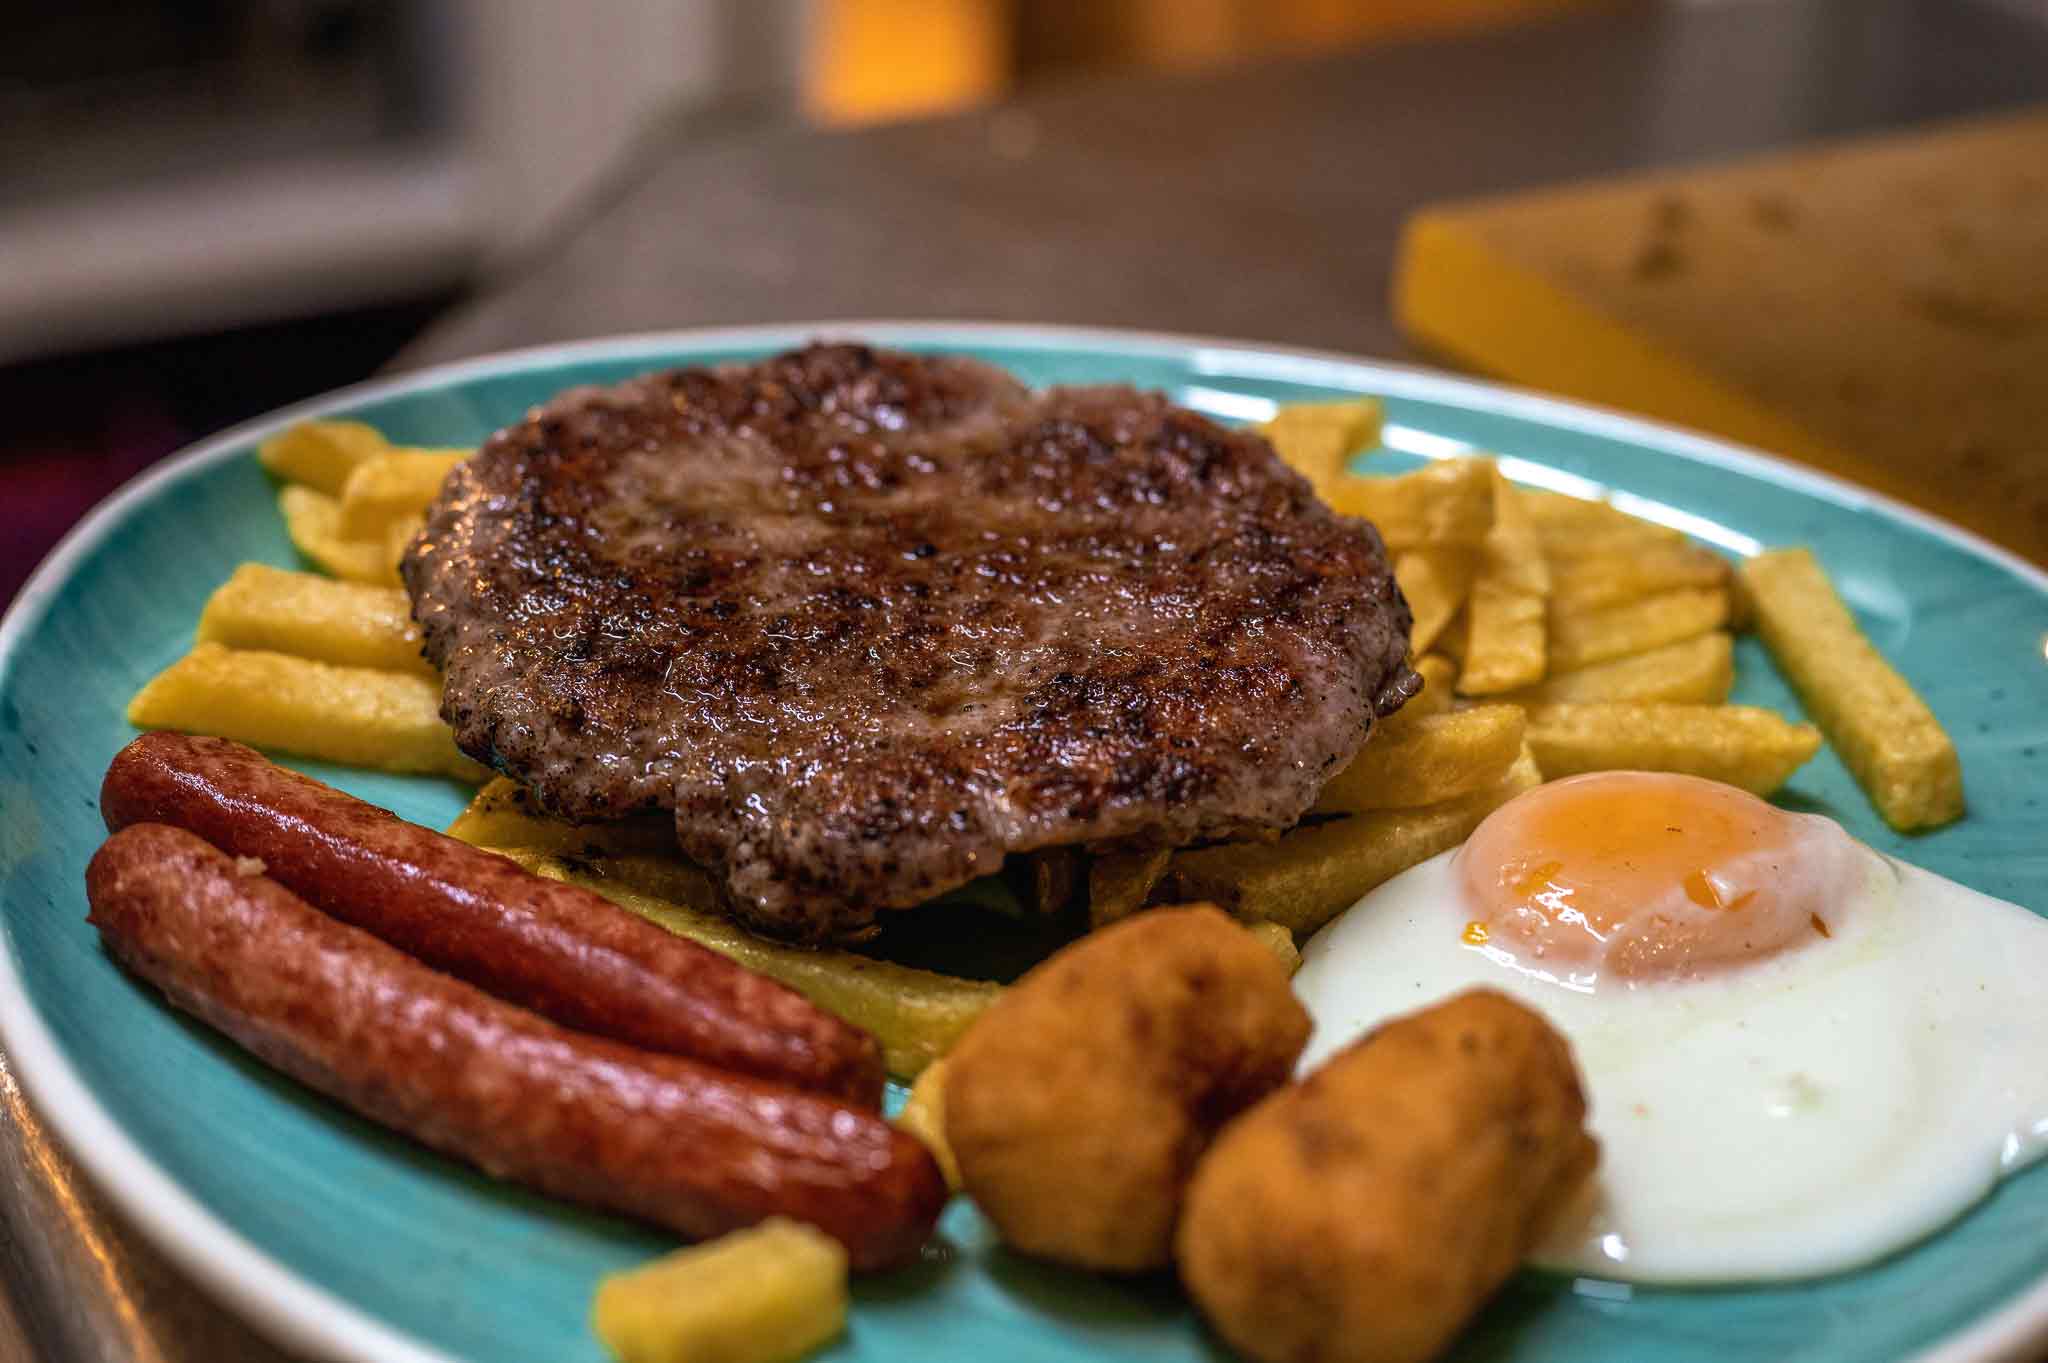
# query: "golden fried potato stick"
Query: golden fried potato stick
1279,941
1366,1213
1888,738
1318,439
504,815
313,520
916,1015
1592,582
1077,1102
1572,527
1120,882
310,616
321,454
1739,744
1316,872
1506,642
924,1116
392,488
1436,758
1696,671
1436,583
1638,626
1449,503
1513,553
769,1294
356,716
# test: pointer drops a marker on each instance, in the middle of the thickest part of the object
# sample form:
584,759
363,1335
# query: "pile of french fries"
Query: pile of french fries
1554,635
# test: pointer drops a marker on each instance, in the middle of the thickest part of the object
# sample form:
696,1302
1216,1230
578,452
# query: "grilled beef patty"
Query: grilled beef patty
868,621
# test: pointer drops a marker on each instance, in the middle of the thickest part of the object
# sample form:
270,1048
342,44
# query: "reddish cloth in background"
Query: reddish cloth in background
50,478
74,428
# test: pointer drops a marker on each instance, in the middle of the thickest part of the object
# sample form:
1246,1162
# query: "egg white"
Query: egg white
1794,1116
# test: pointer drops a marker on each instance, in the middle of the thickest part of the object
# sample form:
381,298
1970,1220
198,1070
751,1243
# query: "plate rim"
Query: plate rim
301,1315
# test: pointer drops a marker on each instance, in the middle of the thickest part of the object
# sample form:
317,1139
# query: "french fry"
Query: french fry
503,815
310,616
1280,942
1434,759
321,454
1456,637
1435,582
1513,554
1886,735
313,520
1592,582
391,489
916,1015
1318,439
1051,877
1119,883
1739,744
1449,503
1573,527
1506,641
1312,874
924,1116
1696,671
357,716
1601,636
769,1294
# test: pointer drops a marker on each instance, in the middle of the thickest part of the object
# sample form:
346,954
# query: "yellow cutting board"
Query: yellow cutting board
1876,308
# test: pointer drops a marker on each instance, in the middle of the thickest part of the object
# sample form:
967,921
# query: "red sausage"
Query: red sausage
562,951
651,1135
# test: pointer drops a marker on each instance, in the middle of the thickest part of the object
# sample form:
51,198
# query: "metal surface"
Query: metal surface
82,1288
1261,203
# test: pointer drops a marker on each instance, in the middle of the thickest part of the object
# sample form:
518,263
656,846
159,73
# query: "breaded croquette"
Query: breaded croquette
1364,1214
1080,1100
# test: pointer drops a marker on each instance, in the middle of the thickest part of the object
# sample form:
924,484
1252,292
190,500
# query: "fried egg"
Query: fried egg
1801,1055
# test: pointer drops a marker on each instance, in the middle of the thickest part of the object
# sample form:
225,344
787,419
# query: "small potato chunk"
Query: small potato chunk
1079,1102
769,1294
1363,1215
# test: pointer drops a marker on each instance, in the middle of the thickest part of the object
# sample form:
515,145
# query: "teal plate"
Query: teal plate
343,1241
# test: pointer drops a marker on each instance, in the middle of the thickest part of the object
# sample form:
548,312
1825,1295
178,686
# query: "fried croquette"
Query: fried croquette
1364,1214
1079,1102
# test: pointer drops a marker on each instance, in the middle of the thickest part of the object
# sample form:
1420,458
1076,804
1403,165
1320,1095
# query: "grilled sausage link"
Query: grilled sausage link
560,950
655,1136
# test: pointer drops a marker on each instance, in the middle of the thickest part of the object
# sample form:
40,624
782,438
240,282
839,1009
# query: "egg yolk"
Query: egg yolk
1646,875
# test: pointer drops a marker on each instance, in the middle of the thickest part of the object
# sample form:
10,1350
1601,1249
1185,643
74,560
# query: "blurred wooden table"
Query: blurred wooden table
1259,203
